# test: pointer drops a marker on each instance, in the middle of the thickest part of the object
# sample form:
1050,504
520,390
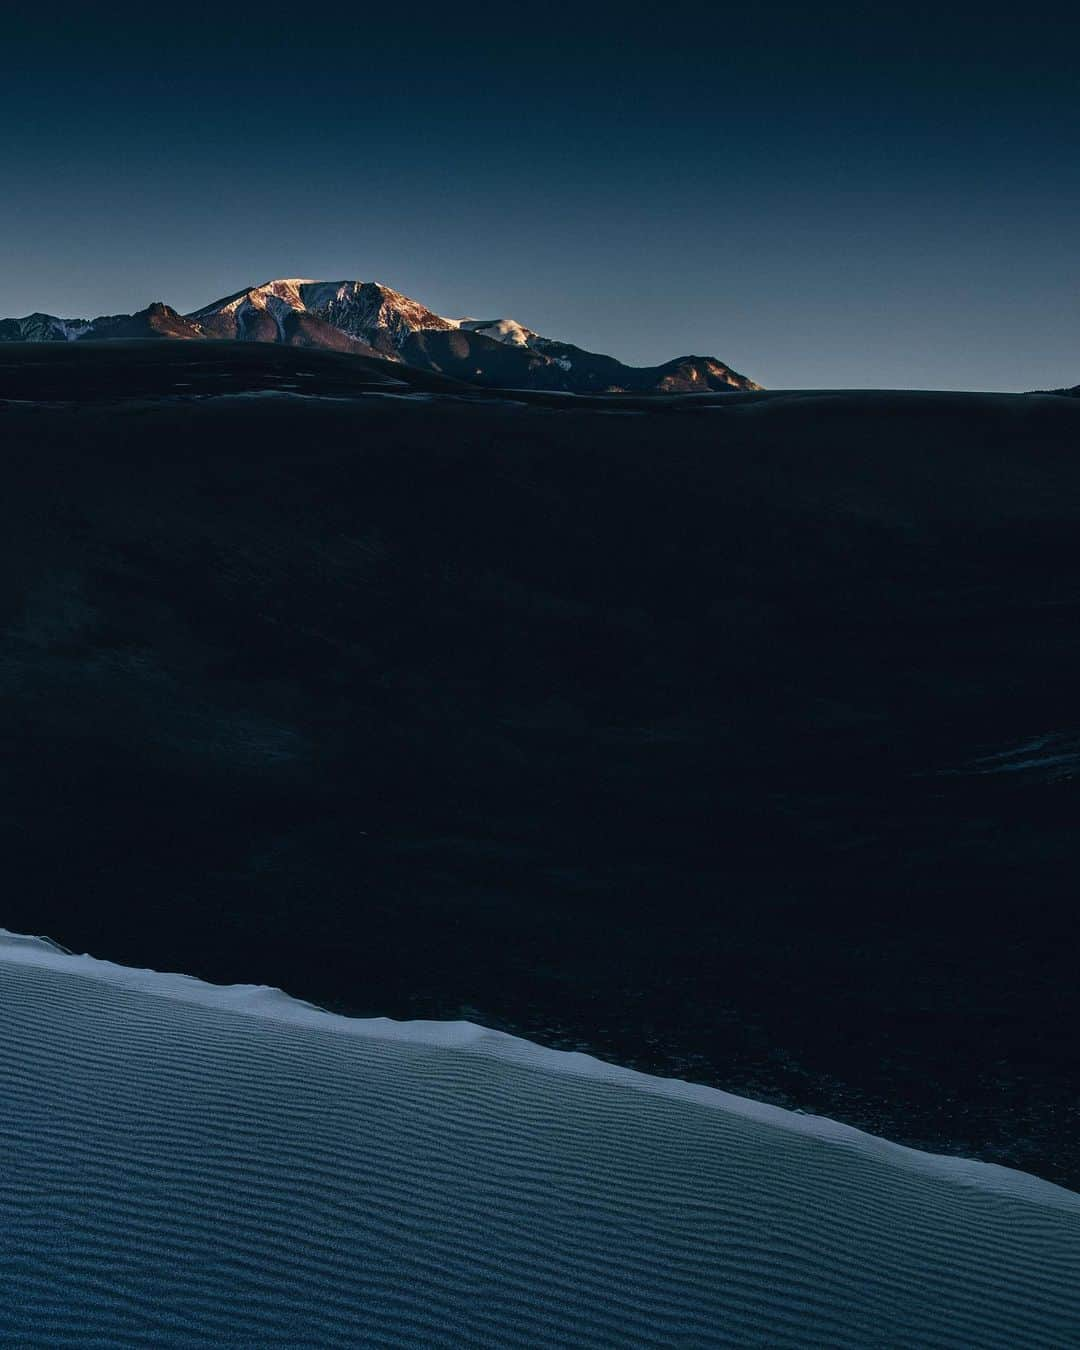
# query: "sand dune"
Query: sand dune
655,727
186,1164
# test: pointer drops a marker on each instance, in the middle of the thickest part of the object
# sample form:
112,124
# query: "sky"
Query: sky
821,196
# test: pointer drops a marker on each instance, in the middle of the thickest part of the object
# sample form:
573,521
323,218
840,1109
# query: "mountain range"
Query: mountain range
369,319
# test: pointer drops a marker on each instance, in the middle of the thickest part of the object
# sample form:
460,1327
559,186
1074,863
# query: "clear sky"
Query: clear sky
820,195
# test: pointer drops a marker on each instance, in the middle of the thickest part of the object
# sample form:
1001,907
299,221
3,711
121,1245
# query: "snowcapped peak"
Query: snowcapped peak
509,331
362,309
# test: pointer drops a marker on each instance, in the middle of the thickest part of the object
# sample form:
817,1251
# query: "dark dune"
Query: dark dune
729,737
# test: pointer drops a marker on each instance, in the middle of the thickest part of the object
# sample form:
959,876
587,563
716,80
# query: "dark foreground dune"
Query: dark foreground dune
730,738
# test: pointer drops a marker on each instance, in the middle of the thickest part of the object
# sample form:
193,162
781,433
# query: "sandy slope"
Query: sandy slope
189,1165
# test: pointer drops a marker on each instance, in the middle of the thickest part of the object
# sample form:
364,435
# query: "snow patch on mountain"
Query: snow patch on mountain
73,329
509,331
50,328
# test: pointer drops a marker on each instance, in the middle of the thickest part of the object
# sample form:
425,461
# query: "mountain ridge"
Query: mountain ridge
370,319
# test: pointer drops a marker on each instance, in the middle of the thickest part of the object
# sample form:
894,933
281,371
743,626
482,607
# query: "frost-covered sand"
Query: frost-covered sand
185,1164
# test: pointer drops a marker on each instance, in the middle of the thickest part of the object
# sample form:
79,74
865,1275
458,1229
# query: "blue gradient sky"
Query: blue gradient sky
832,196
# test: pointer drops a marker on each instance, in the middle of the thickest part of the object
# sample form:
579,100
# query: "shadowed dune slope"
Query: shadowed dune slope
732,737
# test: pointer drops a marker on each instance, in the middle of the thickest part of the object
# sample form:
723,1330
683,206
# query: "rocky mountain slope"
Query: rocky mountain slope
369,319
